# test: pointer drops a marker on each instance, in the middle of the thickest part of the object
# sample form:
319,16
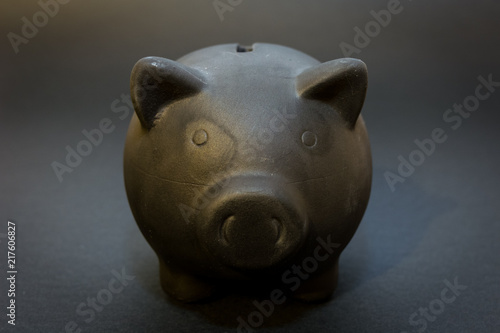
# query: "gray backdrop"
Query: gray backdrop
438,227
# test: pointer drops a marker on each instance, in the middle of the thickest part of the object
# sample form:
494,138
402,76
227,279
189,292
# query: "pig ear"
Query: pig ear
157,82
341,83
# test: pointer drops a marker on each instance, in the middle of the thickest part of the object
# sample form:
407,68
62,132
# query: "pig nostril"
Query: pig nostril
228,226
224,228
276,224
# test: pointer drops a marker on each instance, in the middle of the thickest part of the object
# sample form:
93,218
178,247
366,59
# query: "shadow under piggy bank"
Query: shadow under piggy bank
242,307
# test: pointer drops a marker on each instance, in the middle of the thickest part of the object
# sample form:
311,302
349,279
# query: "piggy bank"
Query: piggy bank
248,166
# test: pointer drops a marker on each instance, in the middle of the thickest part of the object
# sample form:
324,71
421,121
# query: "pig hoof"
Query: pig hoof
183,286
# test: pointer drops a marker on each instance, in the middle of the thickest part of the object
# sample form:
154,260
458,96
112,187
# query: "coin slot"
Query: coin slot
244,48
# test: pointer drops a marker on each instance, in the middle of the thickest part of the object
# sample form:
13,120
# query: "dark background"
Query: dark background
442,223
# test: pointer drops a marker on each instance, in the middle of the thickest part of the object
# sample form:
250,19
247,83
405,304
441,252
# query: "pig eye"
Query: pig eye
200,137
309,139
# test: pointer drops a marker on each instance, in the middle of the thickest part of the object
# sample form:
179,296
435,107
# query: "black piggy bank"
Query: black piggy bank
248,166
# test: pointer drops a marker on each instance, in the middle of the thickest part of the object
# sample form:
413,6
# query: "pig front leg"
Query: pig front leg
183,286
319,287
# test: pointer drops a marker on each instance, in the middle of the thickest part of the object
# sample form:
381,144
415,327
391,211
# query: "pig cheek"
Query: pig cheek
170,216
327,210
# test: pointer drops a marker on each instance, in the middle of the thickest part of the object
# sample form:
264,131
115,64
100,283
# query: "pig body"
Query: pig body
242,163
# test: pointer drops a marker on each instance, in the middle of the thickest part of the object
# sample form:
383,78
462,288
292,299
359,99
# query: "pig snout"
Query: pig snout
253,222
